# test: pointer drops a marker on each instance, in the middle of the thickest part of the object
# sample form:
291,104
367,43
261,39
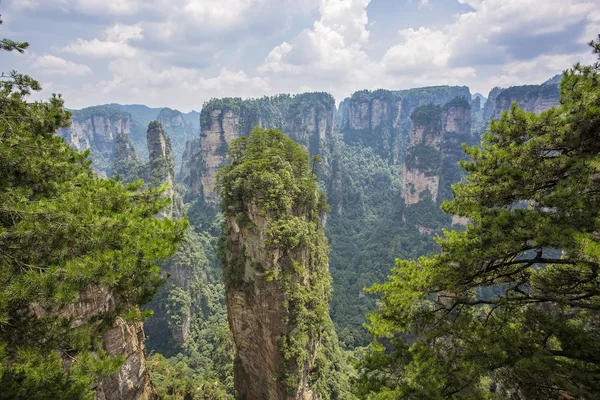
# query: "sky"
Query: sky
181,53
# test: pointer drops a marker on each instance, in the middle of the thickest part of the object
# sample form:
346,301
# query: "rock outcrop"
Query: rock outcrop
96,129
180,131
381,119
125,161
434,149
307,118
120,338
457,126
531,98
190,173
274,257
421,168
162,167
179,301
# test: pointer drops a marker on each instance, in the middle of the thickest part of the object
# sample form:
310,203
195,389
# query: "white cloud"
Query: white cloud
123,33
537,70
422,48
114,43
497,29
100,48
136,81
503,34
113,7
348,18
332,48
181,52
53,65
214,14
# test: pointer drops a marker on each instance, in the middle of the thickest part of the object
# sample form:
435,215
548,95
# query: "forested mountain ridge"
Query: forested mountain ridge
306,118
531,98
380,119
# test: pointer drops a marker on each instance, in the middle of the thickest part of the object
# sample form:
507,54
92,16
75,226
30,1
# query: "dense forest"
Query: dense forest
412,244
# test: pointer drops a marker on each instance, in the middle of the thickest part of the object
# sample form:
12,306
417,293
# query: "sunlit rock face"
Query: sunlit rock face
180,131
434,149
381,119
120,338
531,98
306,118
162,168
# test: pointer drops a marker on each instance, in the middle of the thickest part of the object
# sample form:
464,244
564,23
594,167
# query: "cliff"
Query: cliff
381,119
180,131
125,161
422,163
434,149
306,118
458,118
96,129
162,167
120,338
531,98
190,306
274,257
191,170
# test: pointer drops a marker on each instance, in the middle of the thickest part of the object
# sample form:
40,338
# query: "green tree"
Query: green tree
510,308
64,231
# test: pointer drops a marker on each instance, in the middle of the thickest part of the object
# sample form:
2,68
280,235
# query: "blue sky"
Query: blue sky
180,53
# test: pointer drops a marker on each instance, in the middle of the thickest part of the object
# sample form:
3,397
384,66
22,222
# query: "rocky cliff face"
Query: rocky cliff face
257,319
125,161
191,169
458,118
180,300
306,118
421,168
381,119
120,338
162,167
531,98
96,129
274,257
180,131
434,149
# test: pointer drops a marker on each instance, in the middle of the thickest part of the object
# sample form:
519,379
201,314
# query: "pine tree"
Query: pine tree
511,306
63,230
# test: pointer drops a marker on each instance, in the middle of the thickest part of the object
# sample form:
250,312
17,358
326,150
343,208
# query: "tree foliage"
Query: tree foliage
511,306
64,231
